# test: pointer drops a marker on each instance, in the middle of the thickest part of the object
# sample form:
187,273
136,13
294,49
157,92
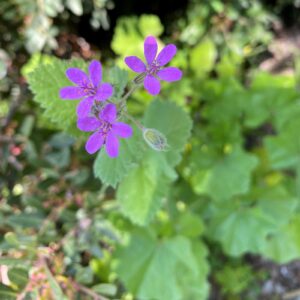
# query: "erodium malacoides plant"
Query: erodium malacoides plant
97,114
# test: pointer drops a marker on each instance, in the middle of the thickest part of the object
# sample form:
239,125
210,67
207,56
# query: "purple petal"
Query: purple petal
152,85
77,76
95,70
109,113
166,54
71,92
94,143
135,64
123,130
88,124
150,49
112,145
104,92
170,74
84,107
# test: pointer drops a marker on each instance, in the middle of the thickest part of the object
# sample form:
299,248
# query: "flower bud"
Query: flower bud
155,139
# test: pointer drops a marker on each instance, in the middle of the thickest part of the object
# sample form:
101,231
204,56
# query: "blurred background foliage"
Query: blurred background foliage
223,224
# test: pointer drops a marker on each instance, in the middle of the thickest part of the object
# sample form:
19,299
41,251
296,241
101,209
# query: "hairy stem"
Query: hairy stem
123,100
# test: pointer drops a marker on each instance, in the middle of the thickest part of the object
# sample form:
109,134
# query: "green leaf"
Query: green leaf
45,82
126,37
105,289
284,244
246,226
141,192
84,275
13,262
27,220
119,79
228,176
18,276
140,261
112,171
240,230
173,122
284,150
55,288
130,33
189,225
6,293
150,25
202,58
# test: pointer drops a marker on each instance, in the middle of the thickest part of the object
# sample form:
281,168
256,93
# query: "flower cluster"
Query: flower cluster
101,118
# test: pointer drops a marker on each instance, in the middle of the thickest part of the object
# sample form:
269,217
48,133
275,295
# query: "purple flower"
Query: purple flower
88,87
106,131
154,70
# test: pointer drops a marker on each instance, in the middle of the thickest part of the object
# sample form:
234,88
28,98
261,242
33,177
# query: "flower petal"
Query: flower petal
84,107
94,143
88,124
152,85
150,49
104,92
95,71
71,93
109,113
135,64
166,54
112,145
123,130
77,76
170,74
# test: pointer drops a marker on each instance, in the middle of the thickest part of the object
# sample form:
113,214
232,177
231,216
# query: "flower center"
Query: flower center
105,128
88,88
153,68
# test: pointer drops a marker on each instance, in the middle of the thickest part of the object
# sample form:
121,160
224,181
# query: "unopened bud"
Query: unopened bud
155,139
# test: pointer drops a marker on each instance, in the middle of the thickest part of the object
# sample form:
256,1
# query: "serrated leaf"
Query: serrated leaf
141,192
45,82
228,176
140,260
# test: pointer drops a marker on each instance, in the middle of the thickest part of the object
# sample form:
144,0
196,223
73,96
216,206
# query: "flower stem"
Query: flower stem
123,100
136,122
